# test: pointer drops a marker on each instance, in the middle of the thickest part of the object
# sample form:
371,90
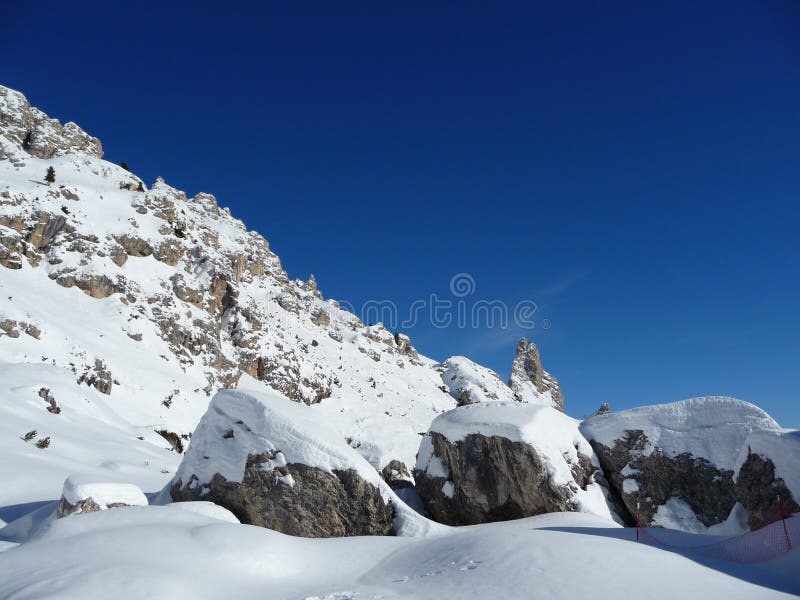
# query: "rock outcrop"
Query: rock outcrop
496,461
469,382
530,382
682,462
83,494
39,135
271,464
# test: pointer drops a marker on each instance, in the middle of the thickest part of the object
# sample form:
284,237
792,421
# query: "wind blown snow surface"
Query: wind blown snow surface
167,552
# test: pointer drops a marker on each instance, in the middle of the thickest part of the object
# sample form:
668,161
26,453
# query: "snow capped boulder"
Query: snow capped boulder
530,382
679,461
496,461
270,462
84,494
469,382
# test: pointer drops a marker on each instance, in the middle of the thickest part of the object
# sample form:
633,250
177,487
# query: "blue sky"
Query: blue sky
633,170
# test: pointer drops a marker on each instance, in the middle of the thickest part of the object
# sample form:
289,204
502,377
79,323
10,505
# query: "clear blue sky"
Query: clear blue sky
634,170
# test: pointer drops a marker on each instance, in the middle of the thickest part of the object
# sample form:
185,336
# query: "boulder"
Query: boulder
496,461
530,382
687,463
270,462
84,494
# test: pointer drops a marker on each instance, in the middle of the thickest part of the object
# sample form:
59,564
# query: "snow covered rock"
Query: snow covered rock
38,134
530,382
84,494
679,461
496,461
270,462
469,382
768,480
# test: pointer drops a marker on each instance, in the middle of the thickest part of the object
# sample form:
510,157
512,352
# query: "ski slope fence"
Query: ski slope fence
766,543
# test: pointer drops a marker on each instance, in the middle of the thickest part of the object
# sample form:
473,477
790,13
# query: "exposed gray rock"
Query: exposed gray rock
98,377
762,493
297,500
493,461
134,246
491,479
45,230
249,454
708,490
320,317
529,381
38,134
47,396
397,476
695,452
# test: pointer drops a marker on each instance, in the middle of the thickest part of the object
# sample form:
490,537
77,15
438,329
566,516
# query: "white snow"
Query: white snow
464,377
630,486
207,509
713,427
448,489
169,552
380,400
676,514
80,487
253,420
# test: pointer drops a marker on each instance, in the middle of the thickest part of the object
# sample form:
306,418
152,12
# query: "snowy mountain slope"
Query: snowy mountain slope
126,307
134,305
469,382
168,552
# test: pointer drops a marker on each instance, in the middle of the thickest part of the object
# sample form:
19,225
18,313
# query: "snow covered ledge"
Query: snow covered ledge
84,494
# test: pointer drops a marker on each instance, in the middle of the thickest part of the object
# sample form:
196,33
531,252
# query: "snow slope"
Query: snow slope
167,552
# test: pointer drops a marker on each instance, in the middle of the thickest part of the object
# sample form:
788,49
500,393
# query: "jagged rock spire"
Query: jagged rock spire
529,381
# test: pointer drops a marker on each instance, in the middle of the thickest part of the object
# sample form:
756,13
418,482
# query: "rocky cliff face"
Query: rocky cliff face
530,382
